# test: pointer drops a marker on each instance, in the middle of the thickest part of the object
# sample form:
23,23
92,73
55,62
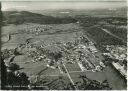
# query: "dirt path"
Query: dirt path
70,77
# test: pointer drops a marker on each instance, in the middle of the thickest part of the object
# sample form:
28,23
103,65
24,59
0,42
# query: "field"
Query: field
73,67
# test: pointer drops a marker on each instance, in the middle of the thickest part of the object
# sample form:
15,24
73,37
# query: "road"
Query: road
105,30
70,77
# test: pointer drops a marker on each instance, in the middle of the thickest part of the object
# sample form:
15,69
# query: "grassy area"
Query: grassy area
72,67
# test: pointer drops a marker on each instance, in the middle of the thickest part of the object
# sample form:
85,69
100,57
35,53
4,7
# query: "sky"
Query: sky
42,5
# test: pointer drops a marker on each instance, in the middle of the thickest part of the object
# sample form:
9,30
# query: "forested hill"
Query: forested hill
15,17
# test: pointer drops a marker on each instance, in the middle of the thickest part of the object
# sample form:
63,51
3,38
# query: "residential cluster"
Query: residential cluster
36,29
70,52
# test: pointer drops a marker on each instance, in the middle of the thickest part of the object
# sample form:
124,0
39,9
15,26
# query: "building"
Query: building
120,68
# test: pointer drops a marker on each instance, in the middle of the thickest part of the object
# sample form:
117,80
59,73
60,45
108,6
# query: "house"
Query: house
92,49
120,68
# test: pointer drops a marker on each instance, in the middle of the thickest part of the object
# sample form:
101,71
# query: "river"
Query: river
116,81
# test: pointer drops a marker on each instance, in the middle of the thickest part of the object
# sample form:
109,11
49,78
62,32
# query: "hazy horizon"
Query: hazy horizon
39,5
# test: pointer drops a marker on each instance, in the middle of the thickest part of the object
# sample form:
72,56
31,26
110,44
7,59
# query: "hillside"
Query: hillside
15,17
105,30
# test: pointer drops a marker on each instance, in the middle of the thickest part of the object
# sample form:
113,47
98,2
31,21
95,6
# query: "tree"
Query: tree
13,67
23,79
16,78
89,84
3,74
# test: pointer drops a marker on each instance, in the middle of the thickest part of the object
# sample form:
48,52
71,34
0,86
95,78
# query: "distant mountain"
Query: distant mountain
110,12
19,17
107,12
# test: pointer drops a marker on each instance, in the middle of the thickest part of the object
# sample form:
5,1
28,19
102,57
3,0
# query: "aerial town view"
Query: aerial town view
64,46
